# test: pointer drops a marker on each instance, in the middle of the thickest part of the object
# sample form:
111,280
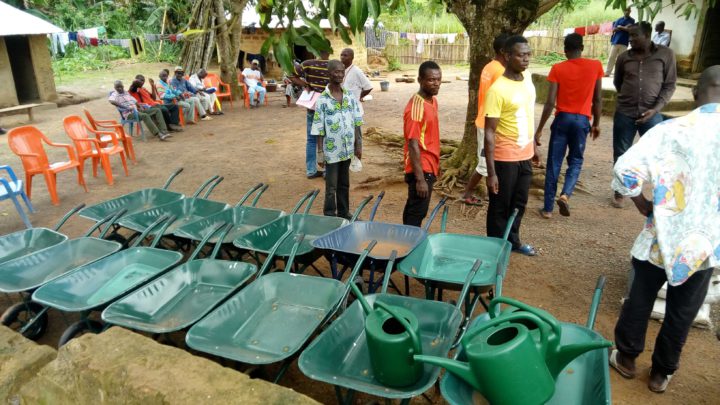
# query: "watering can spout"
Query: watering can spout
458,368
568,353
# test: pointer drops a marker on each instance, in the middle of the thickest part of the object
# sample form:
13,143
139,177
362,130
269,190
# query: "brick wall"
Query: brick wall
251,43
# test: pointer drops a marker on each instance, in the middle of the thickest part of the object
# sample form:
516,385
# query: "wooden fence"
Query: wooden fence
596,47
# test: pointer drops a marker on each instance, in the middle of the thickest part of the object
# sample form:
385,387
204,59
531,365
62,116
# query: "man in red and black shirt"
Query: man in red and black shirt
422,143
170,112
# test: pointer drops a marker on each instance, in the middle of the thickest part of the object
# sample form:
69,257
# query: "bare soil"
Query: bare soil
268,145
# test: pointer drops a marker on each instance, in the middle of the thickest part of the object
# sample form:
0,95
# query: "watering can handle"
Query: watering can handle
510,222
434,212
417,345
554,324
360,207
172,177
542,326
67,216
376,205
595,302
248,194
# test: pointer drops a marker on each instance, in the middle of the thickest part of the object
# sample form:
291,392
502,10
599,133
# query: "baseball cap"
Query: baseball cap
255,62
179,69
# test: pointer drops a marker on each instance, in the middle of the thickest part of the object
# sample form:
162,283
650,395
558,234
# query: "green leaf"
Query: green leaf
333,14
374,9
344,35
267,44
355,16
283,55
313,25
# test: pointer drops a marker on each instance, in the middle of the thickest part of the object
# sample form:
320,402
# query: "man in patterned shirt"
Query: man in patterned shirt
337,120
680,243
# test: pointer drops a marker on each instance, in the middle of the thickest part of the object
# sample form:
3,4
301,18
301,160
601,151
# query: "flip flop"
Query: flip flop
618,367
472,201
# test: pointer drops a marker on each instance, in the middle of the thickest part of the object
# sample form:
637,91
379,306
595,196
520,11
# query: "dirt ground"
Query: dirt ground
268,145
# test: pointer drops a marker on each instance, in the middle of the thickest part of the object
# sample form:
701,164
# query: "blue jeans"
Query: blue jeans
310,147
624,129
568,133
260,91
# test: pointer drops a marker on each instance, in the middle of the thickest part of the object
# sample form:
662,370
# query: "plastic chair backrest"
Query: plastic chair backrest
29,140
212,80
75,128
90,119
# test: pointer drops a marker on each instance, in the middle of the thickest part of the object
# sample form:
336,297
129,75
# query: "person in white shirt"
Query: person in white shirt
253,79
197,81
355,80
661,36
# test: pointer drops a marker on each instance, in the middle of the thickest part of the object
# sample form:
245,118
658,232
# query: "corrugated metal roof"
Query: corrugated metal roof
18,22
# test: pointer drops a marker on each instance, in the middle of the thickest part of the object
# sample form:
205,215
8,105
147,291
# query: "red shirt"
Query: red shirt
420,121
576,84
143,97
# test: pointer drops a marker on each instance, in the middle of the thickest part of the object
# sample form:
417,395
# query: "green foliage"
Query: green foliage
549,59
580,13
649,9
394,64
89,58
442,23
169,53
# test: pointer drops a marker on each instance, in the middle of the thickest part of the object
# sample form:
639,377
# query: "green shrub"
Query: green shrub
394,64
78,59
170,52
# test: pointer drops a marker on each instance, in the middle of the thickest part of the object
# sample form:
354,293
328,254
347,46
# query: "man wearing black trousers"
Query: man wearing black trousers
509,146
422,143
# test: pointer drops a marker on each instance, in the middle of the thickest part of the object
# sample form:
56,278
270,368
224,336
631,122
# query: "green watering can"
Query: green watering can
393,337
515,357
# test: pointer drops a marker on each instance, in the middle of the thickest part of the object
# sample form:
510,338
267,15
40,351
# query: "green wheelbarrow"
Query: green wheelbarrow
586,380
271,319
27,241
442,259
25,274
182,296
262,239
340,354
93,286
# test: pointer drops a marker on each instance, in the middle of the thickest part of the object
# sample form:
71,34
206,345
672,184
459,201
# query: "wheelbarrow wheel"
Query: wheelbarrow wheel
79,328
18,315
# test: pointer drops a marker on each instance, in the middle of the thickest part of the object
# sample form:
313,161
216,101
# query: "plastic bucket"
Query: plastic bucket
384,86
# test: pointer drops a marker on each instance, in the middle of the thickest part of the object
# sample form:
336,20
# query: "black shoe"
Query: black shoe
2,131
317,174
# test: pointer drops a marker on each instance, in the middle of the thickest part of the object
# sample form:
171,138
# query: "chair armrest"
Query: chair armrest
10,172
106,122
28,154
5,184
224,86
66,146
113,135
93,141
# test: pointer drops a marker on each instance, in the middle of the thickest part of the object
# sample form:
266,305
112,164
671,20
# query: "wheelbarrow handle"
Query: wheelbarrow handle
110,221
67,216
268,261
147,230
311,200
388,271
302,200
468,282
360,207
434,212
376,205
358,266
259,194
99,223
510,223
212,186
205,184
221,240
298,241
248,194
204,241
595,302
161,232
172,177
443,220
498,286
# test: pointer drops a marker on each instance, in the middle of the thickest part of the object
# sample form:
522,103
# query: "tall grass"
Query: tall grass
585,12
444,23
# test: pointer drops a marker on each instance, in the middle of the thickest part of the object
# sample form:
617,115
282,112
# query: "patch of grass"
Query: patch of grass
549,59
78,60
585,12
394,64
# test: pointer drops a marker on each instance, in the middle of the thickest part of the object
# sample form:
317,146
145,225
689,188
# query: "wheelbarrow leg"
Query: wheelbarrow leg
283,368
346,399
407,286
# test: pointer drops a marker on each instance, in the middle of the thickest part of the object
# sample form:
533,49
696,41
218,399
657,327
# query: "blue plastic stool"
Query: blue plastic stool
11,189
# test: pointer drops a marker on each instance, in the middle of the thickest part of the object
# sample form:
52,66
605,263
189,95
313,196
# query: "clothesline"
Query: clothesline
98,36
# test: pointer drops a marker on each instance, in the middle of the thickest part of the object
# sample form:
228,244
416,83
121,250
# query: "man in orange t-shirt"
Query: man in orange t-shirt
575,86
489,74
422,143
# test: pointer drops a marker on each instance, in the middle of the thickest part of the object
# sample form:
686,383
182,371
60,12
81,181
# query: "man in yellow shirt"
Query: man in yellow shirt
491,72
509,146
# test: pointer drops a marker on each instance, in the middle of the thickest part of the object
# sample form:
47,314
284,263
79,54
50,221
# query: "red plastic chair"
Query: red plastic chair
119,130
89,147
246,95
223,89
27,142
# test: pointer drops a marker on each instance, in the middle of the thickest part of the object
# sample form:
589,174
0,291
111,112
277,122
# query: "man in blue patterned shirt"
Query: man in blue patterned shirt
337,120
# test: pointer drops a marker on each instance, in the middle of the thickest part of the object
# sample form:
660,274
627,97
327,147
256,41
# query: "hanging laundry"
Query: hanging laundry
89,32
94,41
567,31
403,35
606,28
172,38
101,32
72,36
580,30
451,38
81,40
592,29
152,37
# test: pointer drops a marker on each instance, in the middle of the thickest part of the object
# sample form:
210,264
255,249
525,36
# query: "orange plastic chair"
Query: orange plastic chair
105,140
89,147
246,95
223,89
27,142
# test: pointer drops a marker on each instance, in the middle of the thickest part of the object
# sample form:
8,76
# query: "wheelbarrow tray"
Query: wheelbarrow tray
586,380
33,270
312,226
446,257
180,297
339,356
269,320
353,239
100,282
134,202
186,210
21,243
245,219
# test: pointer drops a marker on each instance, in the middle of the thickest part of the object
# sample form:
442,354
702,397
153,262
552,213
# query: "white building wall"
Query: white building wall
683,31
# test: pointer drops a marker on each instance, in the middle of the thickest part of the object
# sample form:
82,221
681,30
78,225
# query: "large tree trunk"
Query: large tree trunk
483,21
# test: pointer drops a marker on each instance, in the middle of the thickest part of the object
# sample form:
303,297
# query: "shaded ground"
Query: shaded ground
267,145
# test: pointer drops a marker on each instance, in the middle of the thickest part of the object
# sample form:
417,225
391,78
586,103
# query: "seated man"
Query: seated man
170,96
189,92
152,118
197,81
170,111
253,79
